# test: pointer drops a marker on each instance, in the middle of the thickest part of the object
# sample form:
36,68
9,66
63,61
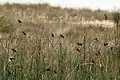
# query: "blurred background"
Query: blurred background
92,4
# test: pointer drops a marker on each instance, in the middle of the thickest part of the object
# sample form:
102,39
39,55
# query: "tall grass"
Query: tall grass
33,51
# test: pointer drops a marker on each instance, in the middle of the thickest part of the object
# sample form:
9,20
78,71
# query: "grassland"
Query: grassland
38,43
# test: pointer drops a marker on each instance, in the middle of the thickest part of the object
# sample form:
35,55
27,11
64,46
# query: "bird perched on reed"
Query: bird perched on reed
105,44
61,36
105,16
13,50
78,49
96,39
24,33
11,58
80,44
52,35
19,21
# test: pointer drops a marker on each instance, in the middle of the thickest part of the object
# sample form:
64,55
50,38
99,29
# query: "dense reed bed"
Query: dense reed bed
31,48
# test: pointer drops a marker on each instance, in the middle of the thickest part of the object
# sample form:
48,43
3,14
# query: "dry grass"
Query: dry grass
37,49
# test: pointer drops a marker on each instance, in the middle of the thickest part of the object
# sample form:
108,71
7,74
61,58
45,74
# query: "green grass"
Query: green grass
40,56
38,64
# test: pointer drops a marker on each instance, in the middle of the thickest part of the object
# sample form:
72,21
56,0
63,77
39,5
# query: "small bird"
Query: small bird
55,71
96,39
93,61
24,33
78,50
19,21
99,52
61,36
111,48
48,69
105,44
12,58
96,54
105,16
79,44
52,35
13,50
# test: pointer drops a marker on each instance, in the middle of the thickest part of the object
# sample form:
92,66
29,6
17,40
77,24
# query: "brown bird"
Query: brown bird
24,33
12,58
61,36
99,52
96,54
78,50
93,61
48,69
105,44
55,71
79,44
52,35
19,21
111,48
96,39
77,67
105,16
13,50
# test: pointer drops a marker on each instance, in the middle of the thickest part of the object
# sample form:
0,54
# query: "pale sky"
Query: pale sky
93,4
